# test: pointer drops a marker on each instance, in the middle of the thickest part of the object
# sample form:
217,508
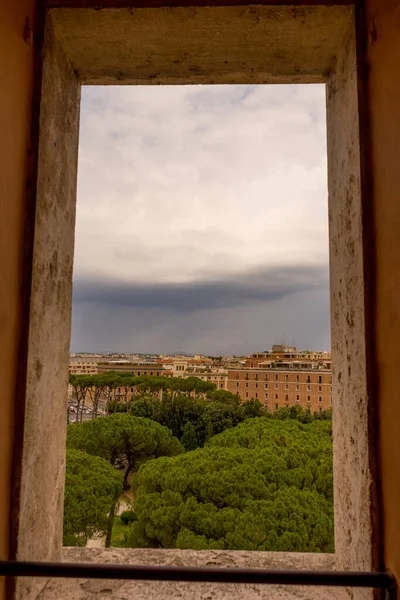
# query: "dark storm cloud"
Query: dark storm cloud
266,284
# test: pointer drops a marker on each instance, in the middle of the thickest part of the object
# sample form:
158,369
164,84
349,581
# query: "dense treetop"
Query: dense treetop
92,487
249,479
121,435
175,412
264,485
208,416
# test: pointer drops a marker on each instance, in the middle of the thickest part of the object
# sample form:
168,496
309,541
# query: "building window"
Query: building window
287,398
221,385
276,405
247,394
276,376
266,395
277,386
237,384
256,386
237,375
266,386
247,384
320,379
256,394
320,408
297,398
286,377
256,375
320,388
308,399
319,398
331,399
266,376
276,396
297,377
309,388
286,387
297,388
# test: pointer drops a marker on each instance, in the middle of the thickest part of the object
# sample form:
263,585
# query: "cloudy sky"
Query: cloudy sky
201,219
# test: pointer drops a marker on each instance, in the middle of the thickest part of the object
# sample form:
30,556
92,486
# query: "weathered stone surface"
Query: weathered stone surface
74,589
235,44
38,507
356,539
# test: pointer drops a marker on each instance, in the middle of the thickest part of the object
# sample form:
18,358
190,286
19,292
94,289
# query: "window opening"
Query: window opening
175,288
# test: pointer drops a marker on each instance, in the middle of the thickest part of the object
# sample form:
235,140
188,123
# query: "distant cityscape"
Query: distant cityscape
282,376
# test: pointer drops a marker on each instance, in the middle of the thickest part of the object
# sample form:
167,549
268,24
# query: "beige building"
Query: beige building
289,356
219,377
82,366
137,369
179,367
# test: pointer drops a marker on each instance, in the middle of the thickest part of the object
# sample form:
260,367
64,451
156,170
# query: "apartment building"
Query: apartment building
288,356
137,369
82,366
309,388
200,367
219,377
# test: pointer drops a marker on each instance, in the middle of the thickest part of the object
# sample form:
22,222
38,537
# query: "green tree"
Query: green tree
123,437
253,408
208,416
92,489
189,437
263,485
80,385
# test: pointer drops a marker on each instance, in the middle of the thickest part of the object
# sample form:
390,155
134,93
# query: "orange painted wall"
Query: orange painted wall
383,53
16,73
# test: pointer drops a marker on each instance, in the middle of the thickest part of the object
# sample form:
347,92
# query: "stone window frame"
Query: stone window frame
307,44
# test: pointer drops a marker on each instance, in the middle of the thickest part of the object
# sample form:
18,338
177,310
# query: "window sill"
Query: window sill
83,589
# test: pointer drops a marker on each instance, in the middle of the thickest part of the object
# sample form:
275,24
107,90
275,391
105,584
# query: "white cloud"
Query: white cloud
180,187
180,183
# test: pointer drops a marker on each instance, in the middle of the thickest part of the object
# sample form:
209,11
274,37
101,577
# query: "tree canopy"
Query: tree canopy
92,487
207,416
210,415
119,436
263,485
101,385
